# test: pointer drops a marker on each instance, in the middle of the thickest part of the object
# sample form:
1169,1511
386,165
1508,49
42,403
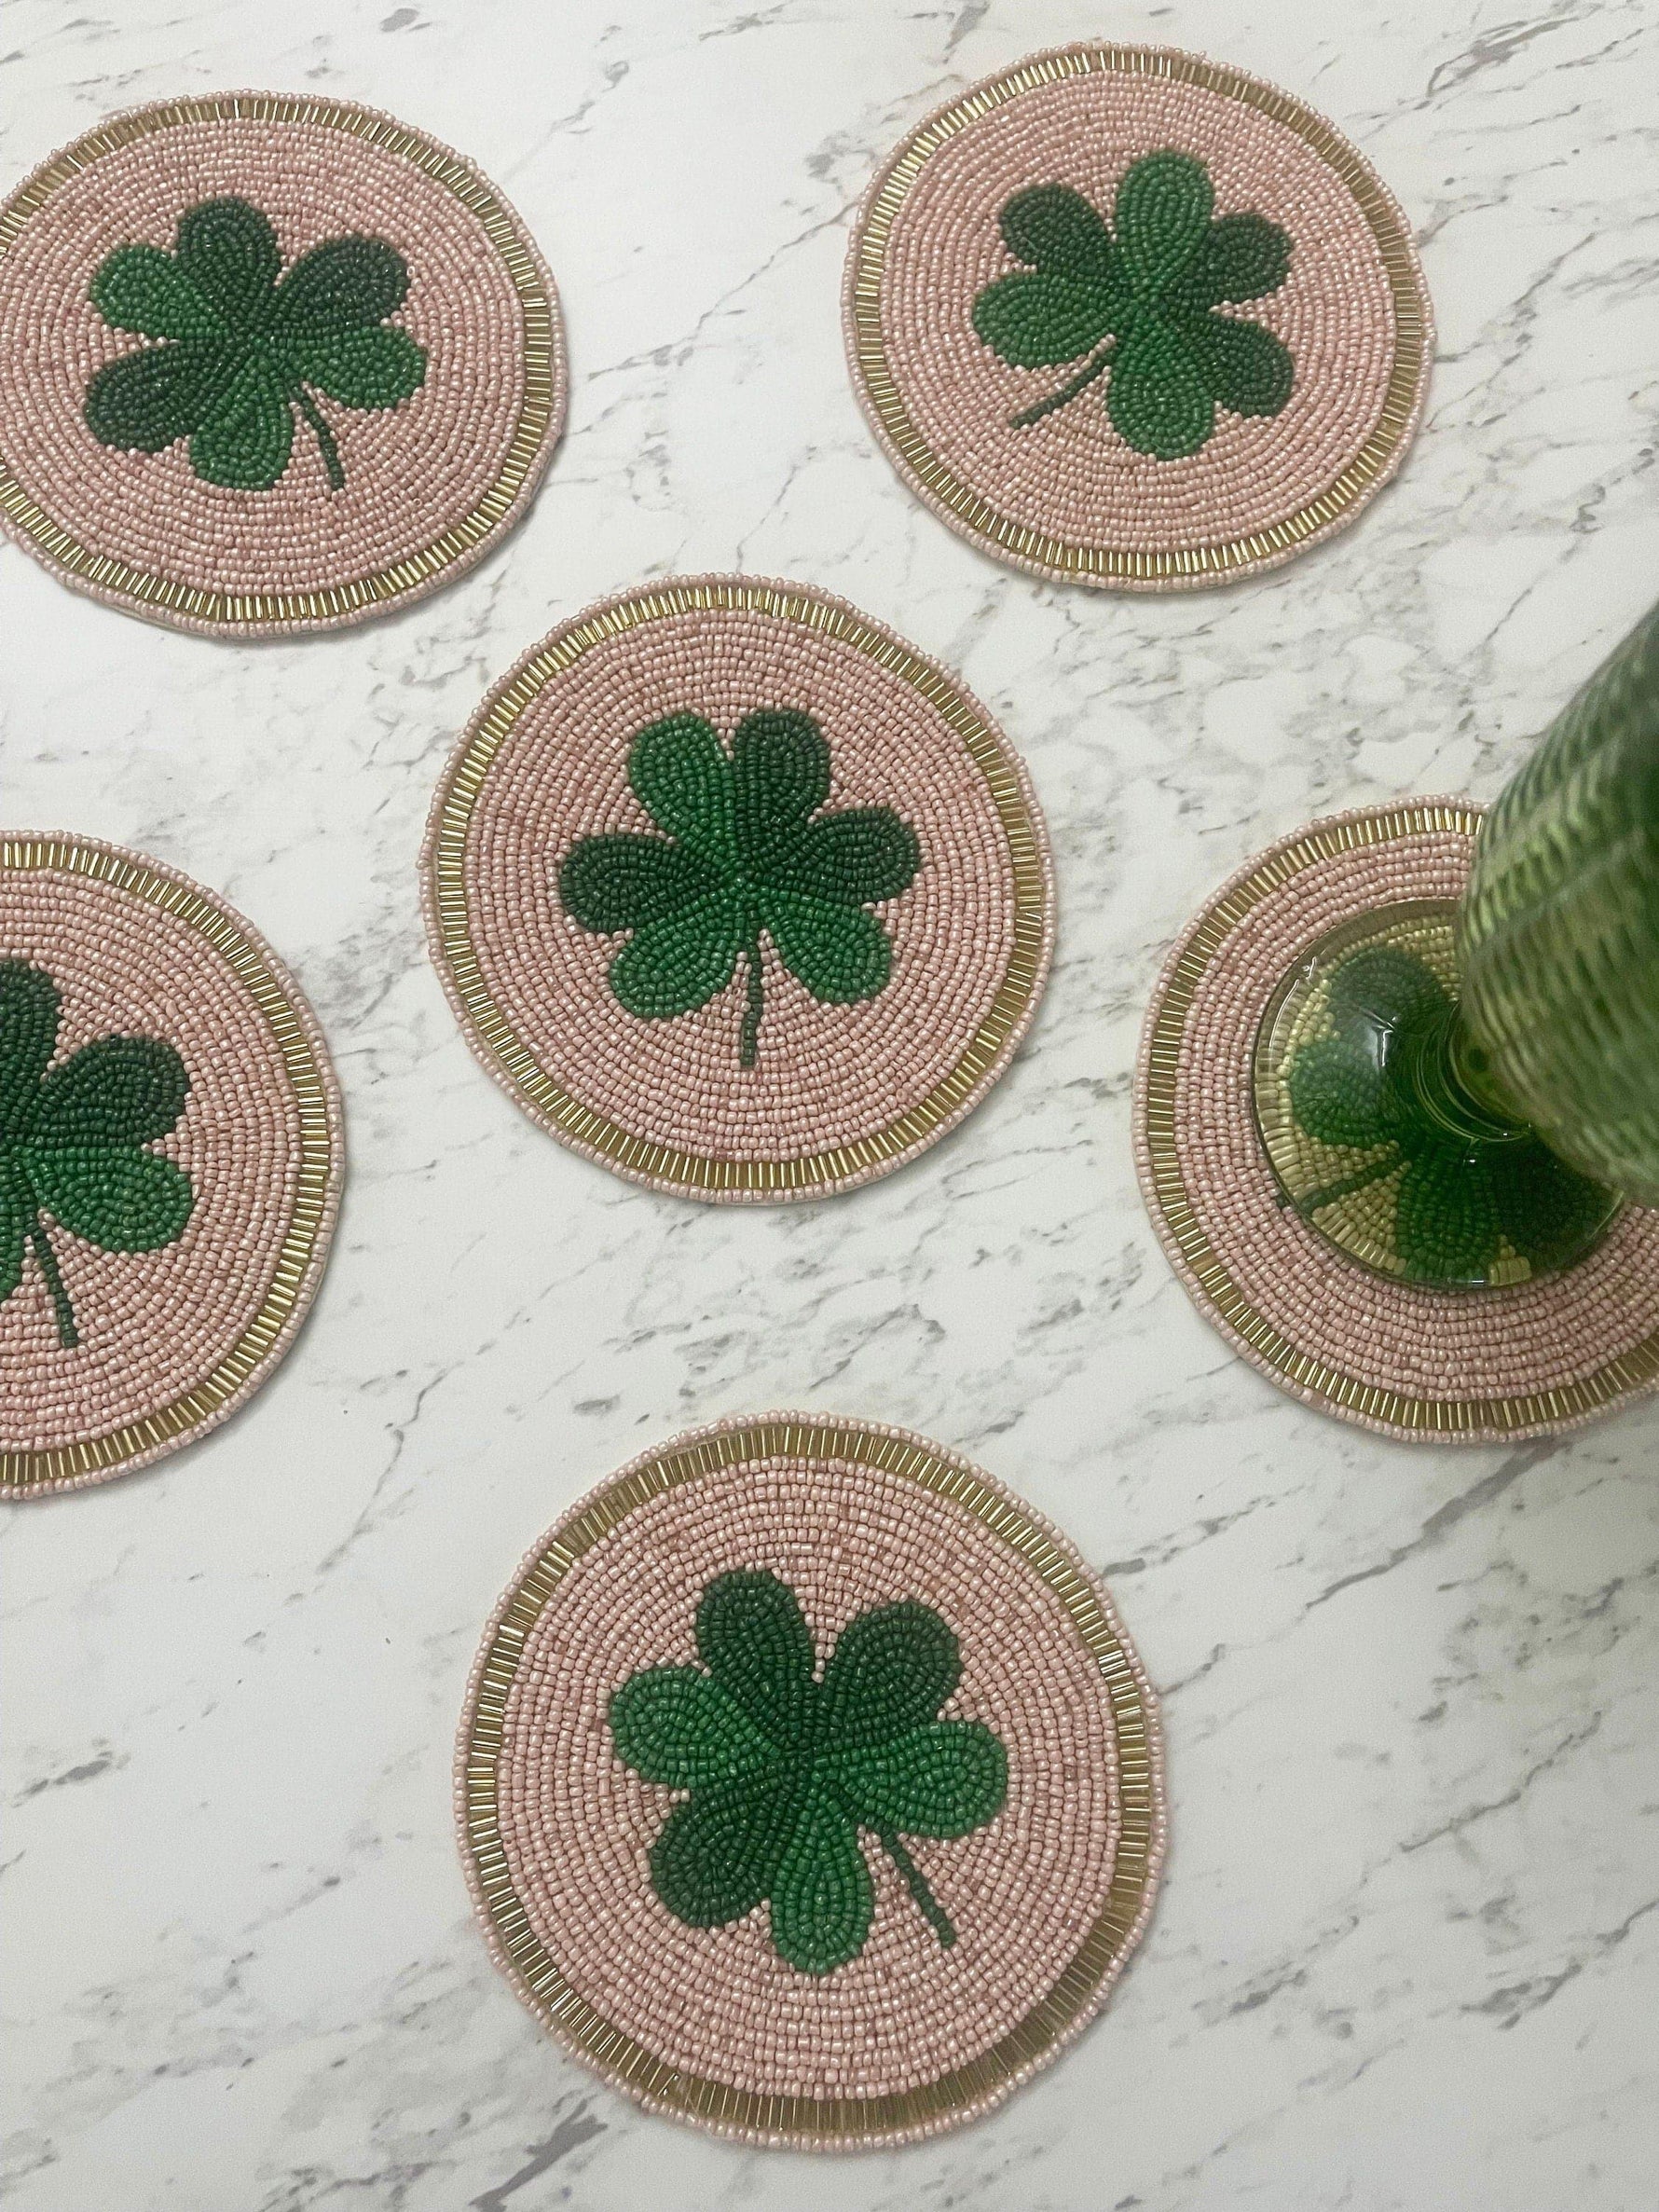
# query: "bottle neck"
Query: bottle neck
1449,1078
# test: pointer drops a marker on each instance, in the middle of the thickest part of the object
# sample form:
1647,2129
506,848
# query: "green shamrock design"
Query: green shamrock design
71,1139
1140,304
785,1766
246,345
746,850
1457,1200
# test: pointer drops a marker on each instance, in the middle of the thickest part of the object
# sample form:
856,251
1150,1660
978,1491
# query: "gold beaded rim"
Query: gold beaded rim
807,2122
298,1268
641,1159
1182,1234
190,607
1173,568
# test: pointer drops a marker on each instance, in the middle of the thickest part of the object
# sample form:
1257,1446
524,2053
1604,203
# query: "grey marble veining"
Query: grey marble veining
1405,1956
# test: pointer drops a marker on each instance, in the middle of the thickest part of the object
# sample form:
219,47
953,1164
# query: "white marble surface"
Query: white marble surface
1406,1951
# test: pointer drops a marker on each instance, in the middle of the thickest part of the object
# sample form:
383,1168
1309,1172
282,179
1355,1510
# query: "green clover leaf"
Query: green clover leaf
785,1766
71,1139
745,852
1457,1201
243,345
1140,302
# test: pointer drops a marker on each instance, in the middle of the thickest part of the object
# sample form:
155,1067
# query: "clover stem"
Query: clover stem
1328,1193
915,1881
68,1335
751,1019
1067,391
324,436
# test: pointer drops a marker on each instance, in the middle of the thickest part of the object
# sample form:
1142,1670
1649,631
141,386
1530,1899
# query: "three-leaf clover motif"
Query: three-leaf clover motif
746,851
245,345
784,1766
71,1139
1457,1200
1140,301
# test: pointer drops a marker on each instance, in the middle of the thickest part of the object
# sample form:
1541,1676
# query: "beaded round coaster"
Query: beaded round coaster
268,362
1444,1364
808,1788
170,1161
1127,318
737,894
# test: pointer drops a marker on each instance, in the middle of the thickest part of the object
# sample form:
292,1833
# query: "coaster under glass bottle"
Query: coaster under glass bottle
1383,1128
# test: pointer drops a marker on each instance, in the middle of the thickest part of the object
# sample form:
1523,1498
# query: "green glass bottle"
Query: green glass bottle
1465,1092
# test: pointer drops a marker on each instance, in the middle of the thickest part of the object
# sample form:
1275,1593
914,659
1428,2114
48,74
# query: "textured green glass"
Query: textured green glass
1558,934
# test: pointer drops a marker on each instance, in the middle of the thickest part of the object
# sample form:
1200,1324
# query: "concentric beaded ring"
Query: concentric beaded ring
170,1160
1410,1361
1124,317
808,1789
268,362
737,894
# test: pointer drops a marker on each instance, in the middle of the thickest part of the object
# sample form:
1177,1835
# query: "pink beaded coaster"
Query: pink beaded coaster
170,1161
808,1789
735,893
1124,317
268,362
1445,1365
